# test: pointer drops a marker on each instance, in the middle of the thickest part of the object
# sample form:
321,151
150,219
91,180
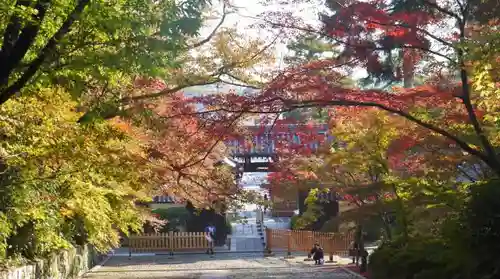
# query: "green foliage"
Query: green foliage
175,217
479,229
465,246
313,209
307,48
293,222
108,43
421,258
62,183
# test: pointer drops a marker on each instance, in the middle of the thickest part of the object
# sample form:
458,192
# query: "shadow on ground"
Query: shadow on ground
241,266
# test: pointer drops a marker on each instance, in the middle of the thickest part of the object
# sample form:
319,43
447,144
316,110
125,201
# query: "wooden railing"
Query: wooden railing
303,241
168,242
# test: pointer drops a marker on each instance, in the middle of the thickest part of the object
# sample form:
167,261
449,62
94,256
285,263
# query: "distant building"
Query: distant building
166,201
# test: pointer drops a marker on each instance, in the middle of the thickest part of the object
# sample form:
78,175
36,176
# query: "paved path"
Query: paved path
245,237
222,266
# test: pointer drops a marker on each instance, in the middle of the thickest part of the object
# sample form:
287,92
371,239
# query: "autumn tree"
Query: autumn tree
185,151
66,184
366,32
228,60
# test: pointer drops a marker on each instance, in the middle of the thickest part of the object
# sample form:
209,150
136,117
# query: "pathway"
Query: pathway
245,237
222,266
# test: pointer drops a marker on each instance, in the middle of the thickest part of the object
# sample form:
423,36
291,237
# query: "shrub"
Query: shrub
293,222
420,258
465,246
175,217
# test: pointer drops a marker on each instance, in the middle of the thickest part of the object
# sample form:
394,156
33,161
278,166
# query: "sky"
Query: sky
248,13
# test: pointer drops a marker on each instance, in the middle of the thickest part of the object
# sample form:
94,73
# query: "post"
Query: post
129,249
171,243
289,245
332,247
268,251
310,242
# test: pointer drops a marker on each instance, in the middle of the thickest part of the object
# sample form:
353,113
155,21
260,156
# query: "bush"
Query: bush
293,222
420,258
465,246
479,230
175,217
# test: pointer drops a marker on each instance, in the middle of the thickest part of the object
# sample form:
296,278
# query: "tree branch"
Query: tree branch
328,36
214,31
49,47
441,9
24,41
465,146
11,33
216,76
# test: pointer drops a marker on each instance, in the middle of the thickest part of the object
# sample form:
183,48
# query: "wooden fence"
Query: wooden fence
167,242
303,241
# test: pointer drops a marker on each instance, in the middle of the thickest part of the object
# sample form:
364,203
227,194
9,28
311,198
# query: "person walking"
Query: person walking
265,203
353,252
210,236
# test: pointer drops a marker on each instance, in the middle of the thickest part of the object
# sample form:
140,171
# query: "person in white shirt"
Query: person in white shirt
210,236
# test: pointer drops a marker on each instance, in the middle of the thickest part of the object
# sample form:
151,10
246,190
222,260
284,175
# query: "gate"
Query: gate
167,242
303,241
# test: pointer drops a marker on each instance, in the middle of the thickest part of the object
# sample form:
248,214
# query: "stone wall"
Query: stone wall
69,263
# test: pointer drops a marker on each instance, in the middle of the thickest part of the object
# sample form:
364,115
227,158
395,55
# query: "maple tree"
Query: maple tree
227,59
367,32
65,41
67,184
185,152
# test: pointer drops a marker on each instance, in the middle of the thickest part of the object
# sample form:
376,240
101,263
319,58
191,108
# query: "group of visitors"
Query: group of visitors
355,252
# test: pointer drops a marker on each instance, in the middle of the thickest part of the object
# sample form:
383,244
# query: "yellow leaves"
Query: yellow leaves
229,52
63,171
67,213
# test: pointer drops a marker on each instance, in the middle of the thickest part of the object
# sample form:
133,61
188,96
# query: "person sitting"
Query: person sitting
318,254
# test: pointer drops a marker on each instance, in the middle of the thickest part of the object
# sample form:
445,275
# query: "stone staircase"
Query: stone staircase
245,237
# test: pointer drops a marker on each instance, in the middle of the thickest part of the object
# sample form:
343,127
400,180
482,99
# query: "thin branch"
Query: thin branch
11,33
216,77
239,84
214,31
328,36
44,53
460,5
13,55
465,146
212,147
470,177
291,105
427,33
441,9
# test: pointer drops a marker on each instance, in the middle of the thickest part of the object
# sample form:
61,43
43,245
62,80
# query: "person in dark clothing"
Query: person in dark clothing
265,205
318,254
354,252
364,261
